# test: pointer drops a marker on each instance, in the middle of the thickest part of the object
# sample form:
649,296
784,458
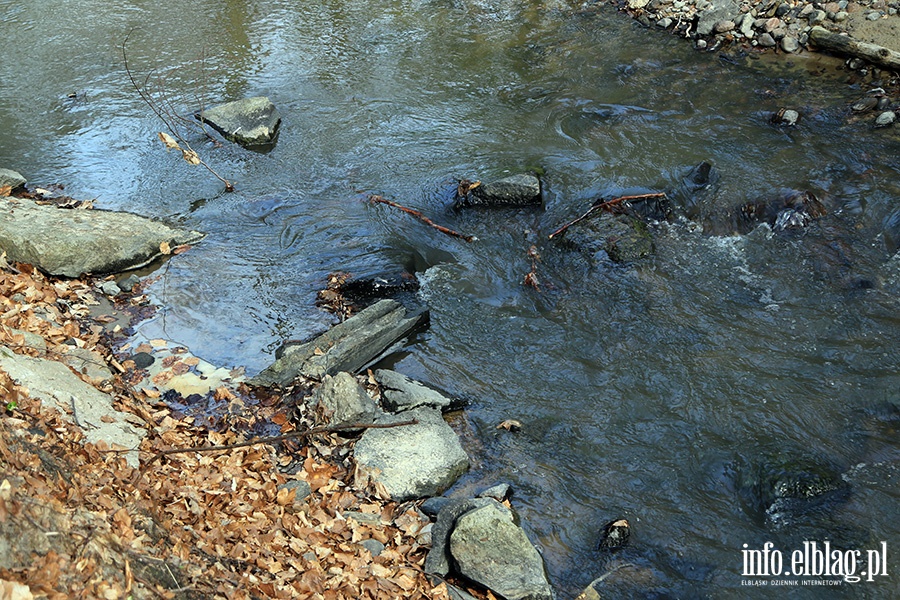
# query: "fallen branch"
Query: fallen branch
598,205
166,113
269,440
380,200
843,44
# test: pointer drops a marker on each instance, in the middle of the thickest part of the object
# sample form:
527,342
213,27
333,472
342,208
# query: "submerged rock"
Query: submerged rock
790,210
891,231
516,190
71,243
491,549
623,238
615,535
412,461
249,122
363,290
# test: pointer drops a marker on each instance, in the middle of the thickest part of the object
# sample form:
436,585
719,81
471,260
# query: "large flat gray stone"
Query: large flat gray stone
412,461
90,409
72,242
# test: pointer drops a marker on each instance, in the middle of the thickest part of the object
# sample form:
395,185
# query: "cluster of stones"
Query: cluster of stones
776,23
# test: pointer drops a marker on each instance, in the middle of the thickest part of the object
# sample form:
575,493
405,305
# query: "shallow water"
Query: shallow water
643,389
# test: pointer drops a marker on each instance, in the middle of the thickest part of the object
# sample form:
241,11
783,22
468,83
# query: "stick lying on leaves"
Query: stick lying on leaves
270,440
598,205
380,200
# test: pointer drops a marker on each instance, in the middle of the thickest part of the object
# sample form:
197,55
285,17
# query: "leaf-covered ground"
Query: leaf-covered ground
77,522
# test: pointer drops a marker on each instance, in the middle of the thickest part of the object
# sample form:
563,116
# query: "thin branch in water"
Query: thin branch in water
165,112
607,205
380,200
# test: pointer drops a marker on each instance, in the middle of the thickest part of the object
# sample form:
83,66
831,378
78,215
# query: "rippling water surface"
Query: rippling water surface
647,391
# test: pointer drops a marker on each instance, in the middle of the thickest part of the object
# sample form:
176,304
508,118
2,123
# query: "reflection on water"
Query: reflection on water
644,389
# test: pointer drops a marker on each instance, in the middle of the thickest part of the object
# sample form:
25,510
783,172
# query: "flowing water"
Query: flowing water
650,391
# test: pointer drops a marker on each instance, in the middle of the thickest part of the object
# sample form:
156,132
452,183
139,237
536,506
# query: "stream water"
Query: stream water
650,391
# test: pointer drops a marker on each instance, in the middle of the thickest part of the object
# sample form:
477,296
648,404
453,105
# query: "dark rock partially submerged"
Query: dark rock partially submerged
624,238
516,190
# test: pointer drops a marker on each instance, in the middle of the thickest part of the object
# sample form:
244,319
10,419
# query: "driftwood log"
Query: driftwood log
843,44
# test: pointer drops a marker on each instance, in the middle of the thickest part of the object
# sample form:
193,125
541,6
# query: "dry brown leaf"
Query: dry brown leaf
164,248
169,141
510,425
5,190
181,249
10,590
190,157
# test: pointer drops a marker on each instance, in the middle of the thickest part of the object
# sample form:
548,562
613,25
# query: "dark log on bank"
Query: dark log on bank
842,44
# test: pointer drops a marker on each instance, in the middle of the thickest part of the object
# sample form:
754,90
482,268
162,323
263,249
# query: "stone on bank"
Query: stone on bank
72,242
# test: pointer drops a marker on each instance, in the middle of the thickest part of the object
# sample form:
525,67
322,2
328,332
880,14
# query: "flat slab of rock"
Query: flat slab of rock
490,548
85,405
249,122
412,461
399,392
517,190
11,178
348,346
71,243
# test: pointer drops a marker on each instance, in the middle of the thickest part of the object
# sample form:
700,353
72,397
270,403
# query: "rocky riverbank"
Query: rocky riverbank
783,26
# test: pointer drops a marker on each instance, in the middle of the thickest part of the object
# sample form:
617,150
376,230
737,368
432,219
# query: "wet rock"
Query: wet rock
786,117
491,549
433,506
89,242
363,290
79,402
142,360
786,211
615,535
344,401
412,461
11,178
790,44
438,560
864,104
783,490
625,579
249,122
127,284
891,231
886,119
517,190
499,492
699,182
766,40
110,288
623,238
399,392
348,346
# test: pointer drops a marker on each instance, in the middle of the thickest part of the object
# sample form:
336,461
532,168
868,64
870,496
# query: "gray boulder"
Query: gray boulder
249,122
83,404
11,178
719,10
399,392
348,346
345,401
516,190
71,243
412,461
490,548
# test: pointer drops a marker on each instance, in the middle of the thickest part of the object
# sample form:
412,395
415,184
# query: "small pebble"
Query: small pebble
110,288
886,119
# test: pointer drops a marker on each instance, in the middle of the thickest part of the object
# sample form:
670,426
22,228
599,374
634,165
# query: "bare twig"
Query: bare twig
378,199
165,111
598,205
269,440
